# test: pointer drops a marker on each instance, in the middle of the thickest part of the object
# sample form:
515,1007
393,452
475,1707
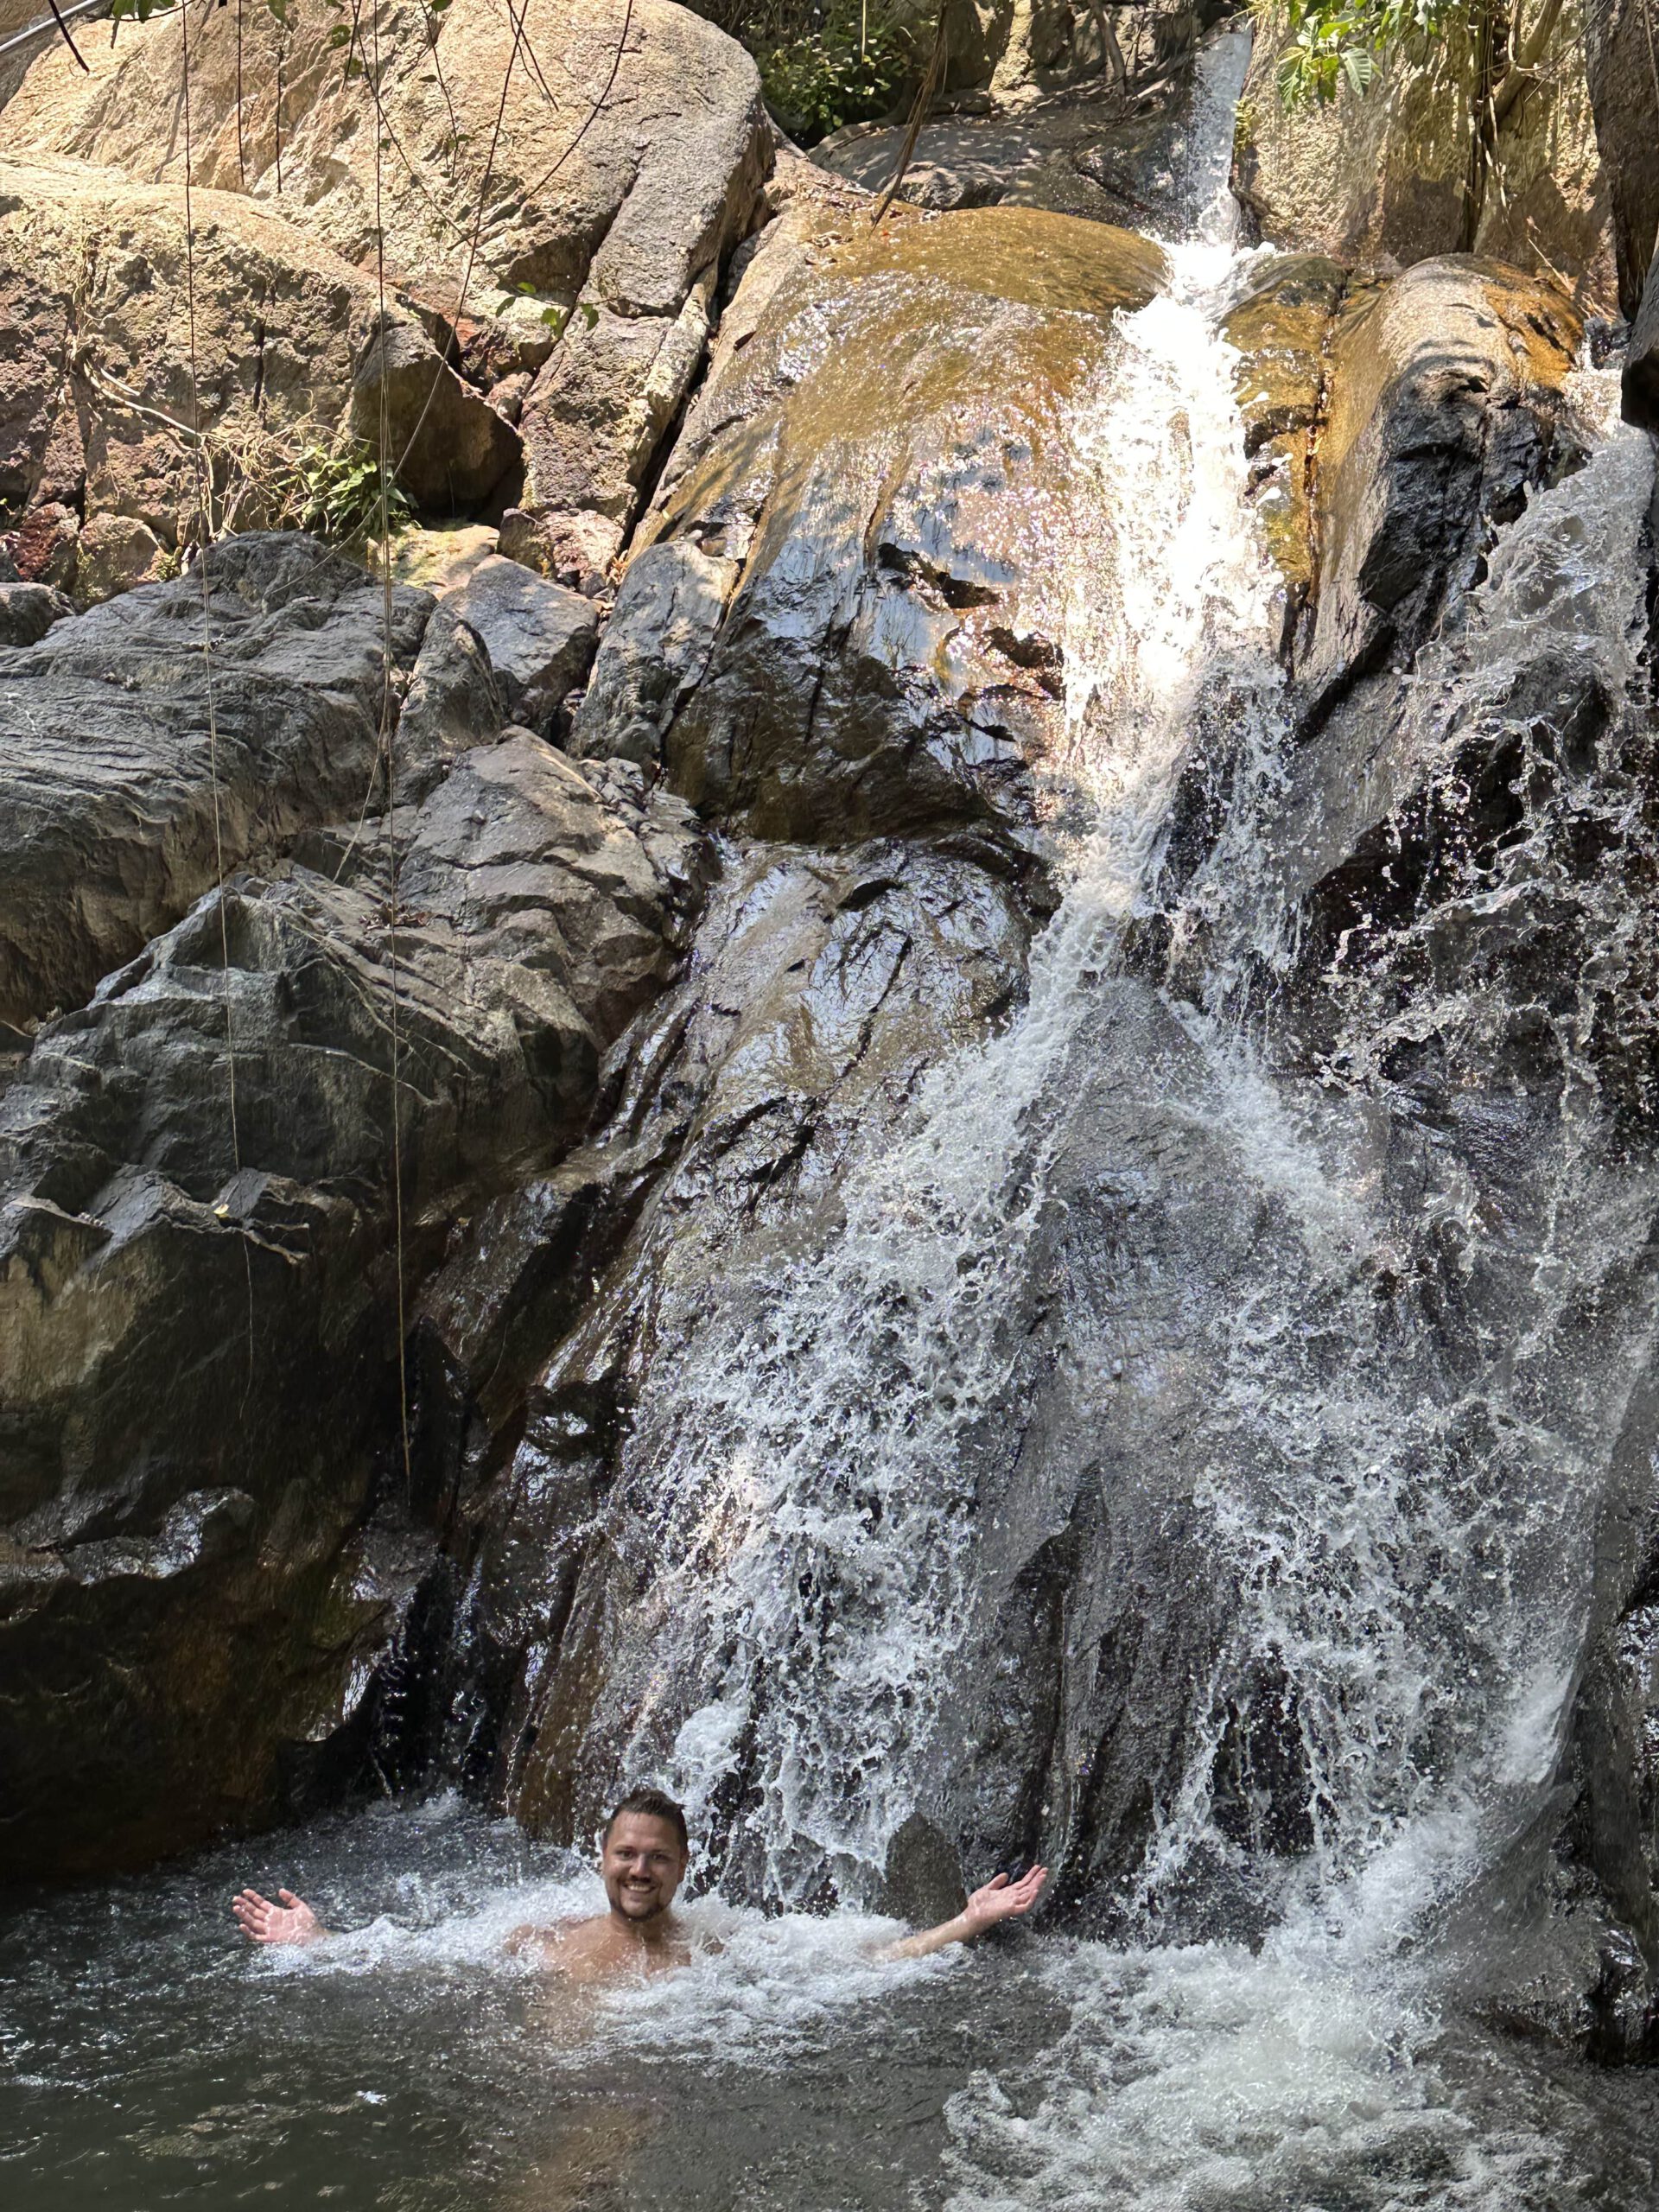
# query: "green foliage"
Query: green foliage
848,70
1337,42
343,495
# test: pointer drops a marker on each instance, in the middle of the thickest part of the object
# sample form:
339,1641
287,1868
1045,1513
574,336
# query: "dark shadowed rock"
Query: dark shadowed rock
1641,375
27,612
194,1599
134,767
654,652
1446,396
540,637
446,445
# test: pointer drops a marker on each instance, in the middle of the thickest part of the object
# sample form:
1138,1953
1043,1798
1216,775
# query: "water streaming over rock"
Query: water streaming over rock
819,1506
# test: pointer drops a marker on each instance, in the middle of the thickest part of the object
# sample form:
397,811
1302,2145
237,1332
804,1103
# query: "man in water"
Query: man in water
644,1853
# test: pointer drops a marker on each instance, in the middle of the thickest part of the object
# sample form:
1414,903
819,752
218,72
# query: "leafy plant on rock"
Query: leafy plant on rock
848,70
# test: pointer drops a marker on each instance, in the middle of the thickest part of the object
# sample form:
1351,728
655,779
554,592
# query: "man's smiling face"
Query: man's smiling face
642,1865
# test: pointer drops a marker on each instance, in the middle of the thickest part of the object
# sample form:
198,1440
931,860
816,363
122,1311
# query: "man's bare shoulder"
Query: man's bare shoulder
560,1944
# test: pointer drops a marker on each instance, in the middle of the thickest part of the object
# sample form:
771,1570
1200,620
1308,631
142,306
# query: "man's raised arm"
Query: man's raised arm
290,1921
1000,1899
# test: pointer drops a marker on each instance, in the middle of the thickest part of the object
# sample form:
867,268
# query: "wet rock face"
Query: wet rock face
887,446
1445,395
197,1599
136,765
824,986
538,636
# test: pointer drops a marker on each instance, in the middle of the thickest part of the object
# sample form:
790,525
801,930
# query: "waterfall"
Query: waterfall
819,1523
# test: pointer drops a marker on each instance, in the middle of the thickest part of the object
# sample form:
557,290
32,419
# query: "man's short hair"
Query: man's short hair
658,1805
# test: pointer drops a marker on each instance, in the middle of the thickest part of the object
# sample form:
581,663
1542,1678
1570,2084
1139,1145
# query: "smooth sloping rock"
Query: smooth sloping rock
654,652
194,1599
132,768
1445,395
540,638
448,447
886,442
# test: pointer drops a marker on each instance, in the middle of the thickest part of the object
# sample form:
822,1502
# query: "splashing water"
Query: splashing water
818,1465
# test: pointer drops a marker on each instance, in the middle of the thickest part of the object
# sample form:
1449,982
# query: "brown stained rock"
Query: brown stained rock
115,552
41,549
1446,393
887,446
1280,328
195,1599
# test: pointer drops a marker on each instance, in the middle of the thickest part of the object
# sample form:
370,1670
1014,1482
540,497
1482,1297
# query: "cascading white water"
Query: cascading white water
820,1518
1412,1541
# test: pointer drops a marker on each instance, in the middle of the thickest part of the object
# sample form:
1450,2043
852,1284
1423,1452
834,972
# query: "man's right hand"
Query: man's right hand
290,1921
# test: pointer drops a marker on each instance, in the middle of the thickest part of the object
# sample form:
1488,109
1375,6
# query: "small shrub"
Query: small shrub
343,495
1337,42
837,75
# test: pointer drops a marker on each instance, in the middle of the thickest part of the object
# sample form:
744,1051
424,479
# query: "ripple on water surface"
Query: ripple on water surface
153,2060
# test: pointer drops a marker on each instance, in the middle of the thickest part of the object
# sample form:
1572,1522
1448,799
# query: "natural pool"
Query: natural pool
154,2059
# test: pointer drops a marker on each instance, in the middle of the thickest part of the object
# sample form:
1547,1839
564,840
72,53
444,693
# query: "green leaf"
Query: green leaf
341,35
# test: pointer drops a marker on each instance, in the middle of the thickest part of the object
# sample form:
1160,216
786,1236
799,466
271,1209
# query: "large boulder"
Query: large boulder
137,764
101,386
1446,403
626,147
1379,178
1551,167
210,1530
885,447
540,637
